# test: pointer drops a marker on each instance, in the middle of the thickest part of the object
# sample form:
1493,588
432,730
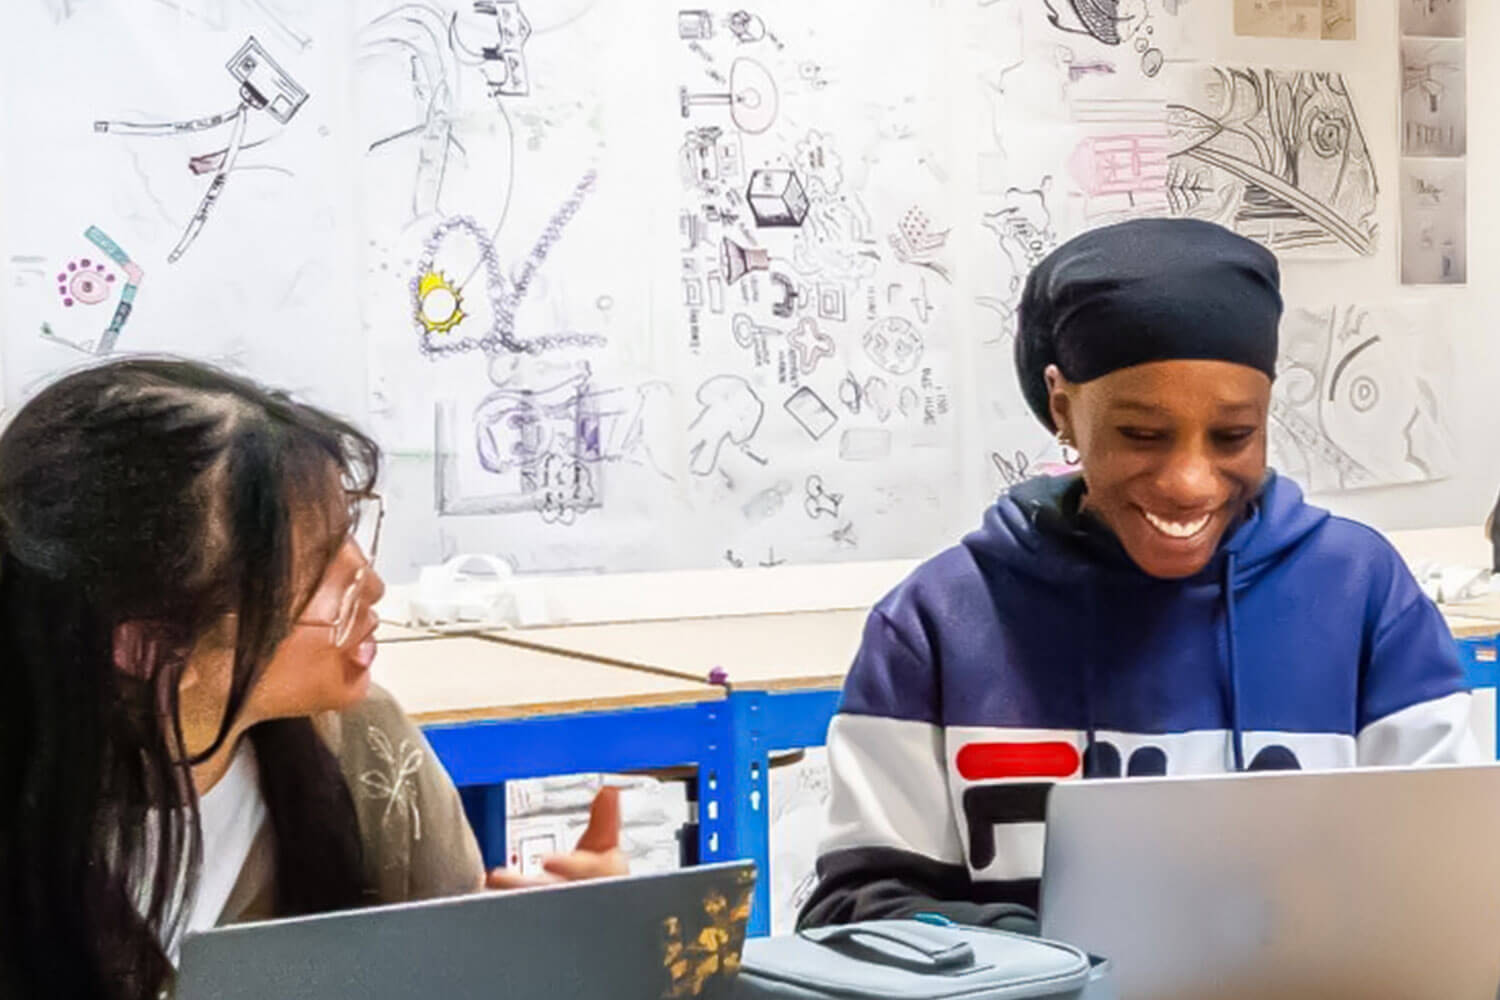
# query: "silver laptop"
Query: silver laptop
674,935
1370,884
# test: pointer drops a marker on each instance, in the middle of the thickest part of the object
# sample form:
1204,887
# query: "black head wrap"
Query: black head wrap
1146,290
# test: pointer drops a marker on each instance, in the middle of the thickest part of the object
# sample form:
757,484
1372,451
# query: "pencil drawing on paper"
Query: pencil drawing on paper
543,447
1434,224
1279,157
1022,225
1354,405
1433,103
894,345
437,301
1309,20
751,96
1116,23
264,87
1124,171
810,412
1433,18
437,50
729,414
819,500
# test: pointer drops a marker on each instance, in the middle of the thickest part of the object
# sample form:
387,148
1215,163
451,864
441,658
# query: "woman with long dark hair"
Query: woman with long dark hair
188,735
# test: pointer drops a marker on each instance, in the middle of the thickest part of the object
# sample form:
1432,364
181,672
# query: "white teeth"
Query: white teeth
1177,529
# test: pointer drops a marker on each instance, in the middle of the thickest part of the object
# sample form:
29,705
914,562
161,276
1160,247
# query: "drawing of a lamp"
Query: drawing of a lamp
752,97
736,261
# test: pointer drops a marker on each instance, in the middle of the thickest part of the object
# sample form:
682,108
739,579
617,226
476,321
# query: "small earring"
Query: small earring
1070,454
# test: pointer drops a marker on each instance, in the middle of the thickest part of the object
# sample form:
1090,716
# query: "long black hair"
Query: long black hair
158,494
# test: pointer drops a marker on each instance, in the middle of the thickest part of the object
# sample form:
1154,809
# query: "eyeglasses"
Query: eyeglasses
366,514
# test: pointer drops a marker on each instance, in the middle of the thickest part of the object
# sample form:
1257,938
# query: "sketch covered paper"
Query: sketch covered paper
1434,222
541,443
1359,400
504,279
509,264
473,225
185,192
1434,105
1279,157
1433,18
1309,20
264,88
816,267
1136,29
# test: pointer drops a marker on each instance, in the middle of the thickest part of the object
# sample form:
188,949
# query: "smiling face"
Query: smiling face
1172,451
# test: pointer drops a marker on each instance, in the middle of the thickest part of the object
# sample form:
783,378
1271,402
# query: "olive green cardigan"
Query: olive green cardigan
417,841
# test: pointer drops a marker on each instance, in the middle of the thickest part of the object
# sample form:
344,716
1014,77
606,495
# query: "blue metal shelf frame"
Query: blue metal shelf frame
1482,670
482,756
760,723
730,741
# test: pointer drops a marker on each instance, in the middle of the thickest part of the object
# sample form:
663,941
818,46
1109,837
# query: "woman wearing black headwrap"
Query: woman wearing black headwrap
1175,608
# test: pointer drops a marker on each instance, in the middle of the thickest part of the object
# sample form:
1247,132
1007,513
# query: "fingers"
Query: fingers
581,865
575,867
598,854
603,832
506,878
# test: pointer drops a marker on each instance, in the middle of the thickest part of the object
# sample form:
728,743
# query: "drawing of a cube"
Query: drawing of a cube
776,198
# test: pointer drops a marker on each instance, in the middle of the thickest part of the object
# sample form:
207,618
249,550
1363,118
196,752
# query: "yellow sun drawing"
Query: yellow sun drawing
439,304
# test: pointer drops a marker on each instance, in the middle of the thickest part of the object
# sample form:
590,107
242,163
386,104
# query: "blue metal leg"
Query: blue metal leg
485,807
472,797
714,763
749,791
734,809
494,847
730,740
1482,670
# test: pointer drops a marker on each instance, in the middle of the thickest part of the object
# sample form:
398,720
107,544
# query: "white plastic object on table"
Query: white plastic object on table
451,594
1451,584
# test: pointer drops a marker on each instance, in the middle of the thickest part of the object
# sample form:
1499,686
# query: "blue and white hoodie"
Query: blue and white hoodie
1036,650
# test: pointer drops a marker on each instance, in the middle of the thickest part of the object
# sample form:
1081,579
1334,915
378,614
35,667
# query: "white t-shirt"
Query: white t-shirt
231,814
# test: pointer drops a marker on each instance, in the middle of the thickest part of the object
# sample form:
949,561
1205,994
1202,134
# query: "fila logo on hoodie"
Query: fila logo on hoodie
1000,777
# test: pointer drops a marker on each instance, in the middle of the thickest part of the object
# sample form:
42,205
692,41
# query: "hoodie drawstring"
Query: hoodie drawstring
1089,743
1234,673
1090,764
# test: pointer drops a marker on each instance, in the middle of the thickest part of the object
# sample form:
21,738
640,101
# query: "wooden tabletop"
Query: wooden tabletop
805,649
788,651
391,632
569,668
1486,607
464,679
1464,627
